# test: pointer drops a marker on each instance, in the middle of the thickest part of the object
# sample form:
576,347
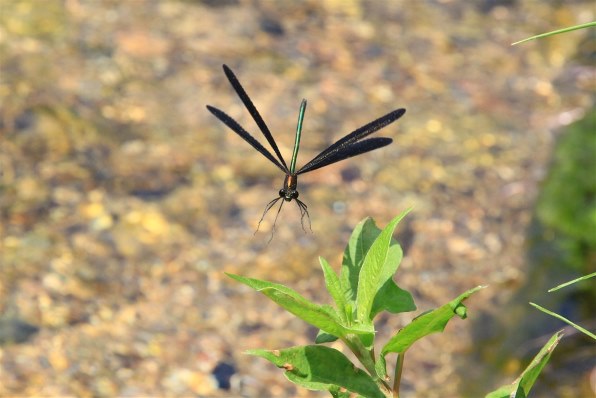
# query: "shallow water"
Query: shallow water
123,200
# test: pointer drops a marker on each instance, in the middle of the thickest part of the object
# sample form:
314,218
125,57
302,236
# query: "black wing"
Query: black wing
232,124
351,140
254,113
345,152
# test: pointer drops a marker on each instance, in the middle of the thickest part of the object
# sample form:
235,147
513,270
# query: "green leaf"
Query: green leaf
360,242
321,368
392,261
393,299
430,322
334,288
322,317
379,265
338,393
381,368
323,337
521,387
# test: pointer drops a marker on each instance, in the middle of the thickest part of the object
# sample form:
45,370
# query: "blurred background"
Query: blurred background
123,201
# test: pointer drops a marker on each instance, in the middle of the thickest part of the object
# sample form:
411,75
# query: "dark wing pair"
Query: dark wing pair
344,148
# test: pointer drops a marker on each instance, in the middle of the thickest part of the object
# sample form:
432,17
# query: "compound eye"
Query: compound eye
282,193
295,195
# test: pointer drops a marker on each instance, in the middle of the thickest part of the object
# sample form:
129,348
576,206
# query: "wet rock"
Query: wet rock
222,373
16,331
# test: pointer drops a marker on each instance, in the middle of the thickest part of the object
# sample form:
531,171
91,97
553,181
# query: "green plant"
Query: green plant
521,387
567,202
363,289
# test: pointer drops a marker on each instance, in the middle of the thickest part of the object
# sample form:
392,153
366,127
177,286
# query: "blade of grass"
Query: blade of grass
556,32
587,332
572,282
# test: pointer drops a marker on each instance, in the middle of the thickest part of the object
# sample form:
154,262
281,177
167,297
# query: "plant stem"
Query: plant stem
362,354
366,358
399,366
